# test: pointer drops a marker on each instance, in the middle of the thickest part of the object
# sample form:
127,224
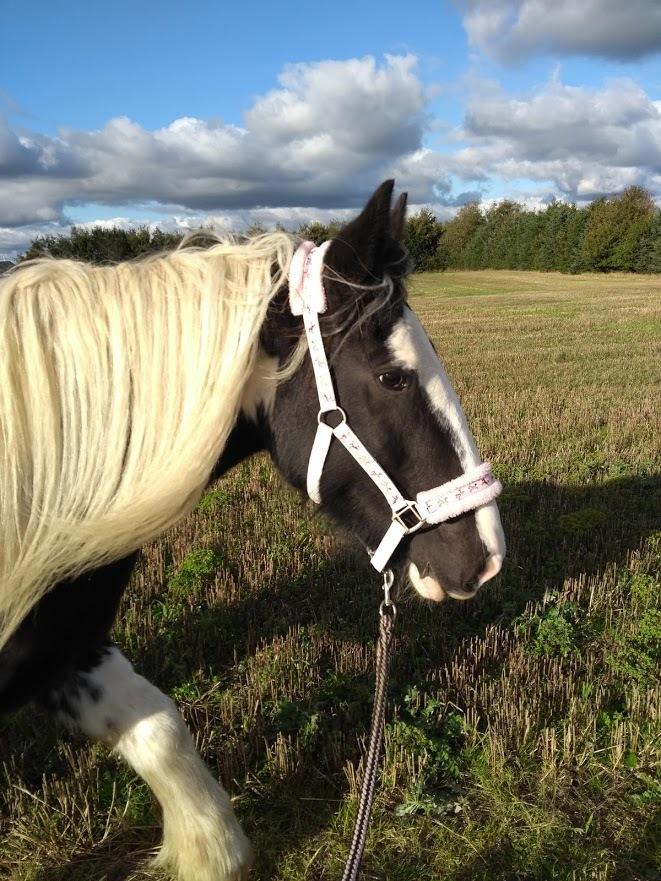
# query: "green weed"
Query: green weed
196,568
556,631
581,521
636,657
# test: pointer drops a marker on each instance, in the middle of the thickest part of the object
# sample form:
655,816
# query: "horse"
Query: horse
126,390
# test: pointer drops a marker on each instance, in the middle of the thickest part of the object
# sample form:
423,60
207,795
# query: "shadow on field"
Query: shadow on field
638,859
501,861
553,533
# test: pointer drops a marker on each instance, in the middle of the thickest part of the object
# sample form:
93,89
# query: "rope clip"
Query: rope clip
388,579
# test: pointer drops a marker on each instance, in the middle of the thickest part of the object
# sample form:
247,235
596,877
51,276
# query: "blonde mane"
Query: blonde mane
119,386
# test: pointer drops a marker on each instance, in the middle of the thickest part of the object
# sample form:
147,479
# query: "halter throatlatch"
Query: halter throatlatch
474,488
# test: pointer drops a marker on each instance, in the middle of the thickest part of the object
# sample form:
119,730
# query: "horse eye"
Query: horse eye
395,380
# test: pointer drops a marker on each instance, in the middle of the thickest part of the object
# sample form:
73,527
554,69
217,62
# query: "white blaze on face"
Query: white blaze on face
411,348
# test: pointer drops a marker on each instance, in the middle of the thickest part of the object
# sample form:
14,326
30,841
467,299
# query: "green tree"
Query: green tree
313,232
634,215
648,255
458,233
502,221
555,251
100,244
614,231
421,239
576,227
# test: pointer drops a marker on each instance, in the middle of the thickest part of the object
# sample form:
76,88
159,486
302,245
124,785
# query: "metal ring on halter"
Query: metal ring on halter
322,413
388,580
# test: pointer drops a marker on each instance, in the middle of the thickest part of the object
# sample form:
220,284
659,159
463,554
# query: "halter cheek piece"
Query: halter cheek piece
474,488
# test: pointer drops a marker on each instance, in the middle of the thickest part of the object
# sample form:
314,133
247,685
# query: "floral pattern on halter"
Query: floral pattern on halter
474,488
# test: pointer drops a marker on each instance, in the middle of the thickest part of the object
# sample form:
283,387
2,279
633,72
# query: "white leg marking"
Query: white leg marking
202,840
412,349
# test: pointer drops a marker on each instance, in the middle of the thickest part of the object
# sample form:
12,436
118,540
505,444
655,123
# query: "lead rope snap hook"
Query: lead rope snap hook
386,602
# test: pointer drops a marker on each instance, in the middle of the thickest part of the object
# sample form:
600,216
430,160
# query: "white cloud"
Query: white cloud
511,30
584,142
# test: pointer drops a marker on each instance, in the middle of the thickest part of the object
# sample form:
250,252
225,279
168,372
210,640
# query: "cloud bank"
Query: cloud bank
583,143
321,139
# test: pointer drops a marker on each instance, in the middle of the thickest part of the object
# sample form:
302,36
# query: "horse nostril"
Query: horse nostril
426,570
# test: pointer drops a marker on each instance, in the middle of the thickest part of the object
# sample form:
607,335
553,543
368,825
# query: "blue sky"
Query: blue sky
236,113
155,62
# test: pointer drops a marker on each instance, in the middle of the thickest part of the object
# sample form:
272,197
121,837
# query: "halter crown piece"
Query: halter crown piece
474,488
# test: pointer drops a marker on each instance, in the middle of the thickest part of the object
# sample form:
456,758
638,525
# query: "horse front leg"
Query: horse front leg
202,839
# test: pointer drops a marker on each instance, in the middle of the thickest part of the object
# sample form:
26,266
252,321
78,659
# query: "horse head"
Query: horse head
392,390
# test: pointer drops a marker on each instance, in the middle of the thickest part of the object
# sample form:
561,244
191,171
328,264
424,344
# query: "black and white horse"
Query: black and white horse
125,390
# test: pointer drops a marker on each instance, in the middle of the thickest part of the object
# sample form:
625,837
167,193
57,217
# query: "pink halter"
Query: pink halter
474,488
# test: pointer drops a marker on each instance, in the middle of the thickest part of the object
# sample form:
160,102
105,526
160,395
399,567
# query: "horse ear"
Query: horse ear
358,249
398,218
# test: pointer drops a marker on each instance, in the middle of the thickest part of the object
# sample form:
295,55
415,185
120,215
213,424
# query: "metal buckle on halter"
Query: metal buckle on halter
409,517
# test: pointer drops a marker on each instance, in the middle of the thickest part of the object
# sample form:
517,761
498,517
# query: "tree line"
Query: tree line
620,234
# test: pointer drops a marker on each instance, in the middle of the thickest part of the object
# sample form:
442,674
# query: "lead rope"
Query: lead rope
387,613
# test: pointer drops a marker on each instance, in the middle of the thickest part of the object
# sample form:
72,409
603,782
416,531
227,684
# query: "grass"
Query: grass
523,735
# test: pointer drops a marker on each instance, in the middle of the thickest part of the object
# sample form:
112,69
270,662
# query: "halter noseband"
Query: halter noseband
474,488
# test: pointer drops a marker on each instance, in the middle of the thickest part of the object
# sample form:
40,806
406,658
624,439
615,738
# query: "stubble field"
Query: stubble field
523,735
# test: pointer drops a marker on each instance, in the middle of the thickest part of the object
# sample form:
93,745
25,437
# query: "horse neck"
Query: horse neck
246,438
